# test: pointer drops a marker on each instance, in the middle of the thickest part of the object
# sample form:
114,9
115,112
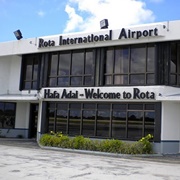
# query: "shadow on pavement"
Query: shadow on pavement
26,143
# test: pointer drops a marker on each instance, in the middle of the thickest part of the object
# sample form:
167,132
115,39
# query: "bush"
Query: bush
112,146
64,142
46,140
146,144
78,142
143,146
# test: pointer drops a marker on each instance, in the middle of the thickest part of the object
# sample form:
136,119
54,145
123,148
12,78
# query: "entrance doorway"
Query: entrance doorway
33,120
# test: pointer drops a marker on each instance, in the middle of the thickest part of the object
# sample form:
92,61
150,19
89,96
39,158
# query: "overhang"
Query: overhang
18,97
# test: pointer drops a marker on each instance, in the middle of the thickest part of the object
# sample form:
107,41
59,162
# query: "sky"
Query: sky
38,18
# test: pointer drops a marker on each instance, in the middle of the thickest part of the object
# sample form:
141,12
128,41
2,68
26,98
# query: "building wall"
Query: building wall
170,127
14,75
10,74
4,73
22,115
21,122
10,68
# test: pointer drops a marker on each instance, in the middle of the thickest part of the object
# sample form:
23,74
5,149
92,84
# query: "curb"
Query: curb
159,158
99,153
164,158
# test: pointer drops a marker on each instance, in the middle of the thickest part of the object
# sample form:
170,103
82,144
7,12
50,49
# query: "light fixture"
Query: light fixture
104,24
18,34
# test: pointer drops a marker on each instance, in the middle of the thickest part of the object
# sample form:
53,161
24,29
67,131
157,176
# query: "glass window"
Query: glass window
61,121
62,106
135,124
88,80
51,120
150,79
74,122
130,65
150,58
108,80
29,69
149,123
35,70
109,60
89,63
119,106
135,106
88,124
64,64
72,68
30,73
62,81
119,124
121,60
77,63
52,105
103,106
103,123
121,79
7,115
75,106
138,59
174,63
54,64
89,106
173,79
76,81
130,121
137,79
149,106
52,81
109,66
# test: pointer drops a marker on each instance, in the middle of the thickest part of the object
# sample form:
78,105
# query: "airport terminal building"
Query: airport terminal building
121,84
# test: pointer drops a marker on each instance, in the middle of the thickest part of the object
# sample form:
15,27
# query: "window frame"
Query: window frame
126,77
176,73
70,76
107,131
23,80
8,118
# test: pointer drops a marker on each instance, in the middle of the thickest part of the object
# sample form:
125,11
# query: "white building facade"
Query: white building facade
121,84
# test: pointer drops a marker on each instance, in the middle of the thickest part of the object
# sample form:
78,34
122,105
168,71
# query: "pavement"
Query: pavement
24,159
32,143
25,143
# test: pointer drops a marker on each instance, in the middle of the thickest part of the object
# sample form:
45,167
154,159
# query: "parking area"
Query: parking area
24,159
